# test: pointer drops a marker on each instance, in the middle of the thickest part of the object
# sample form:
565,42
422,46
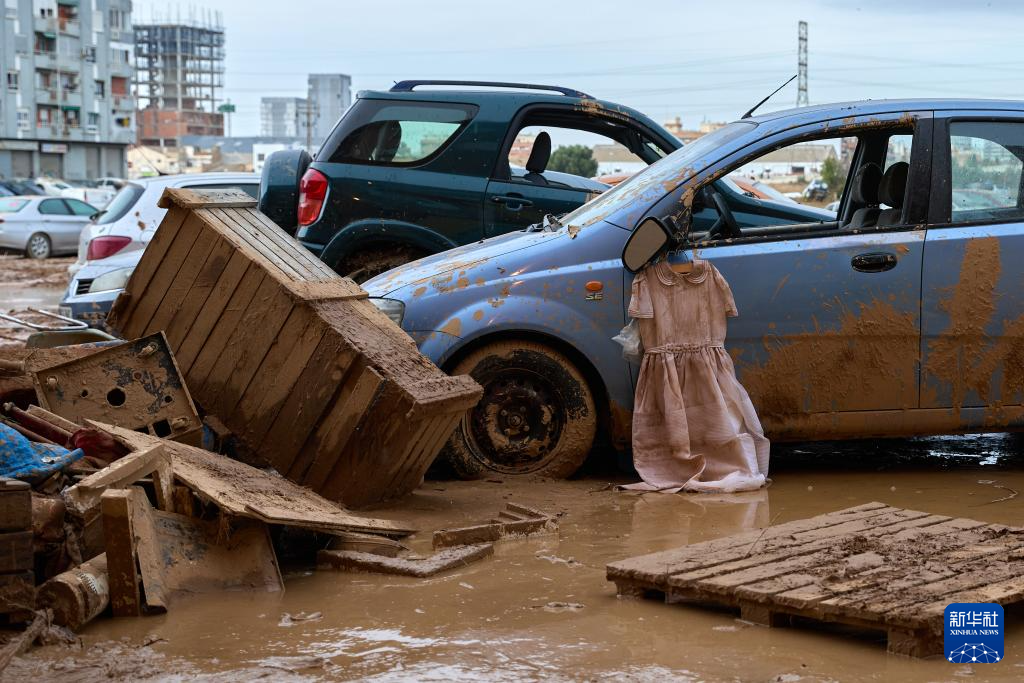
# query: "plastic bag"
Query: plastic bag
632,346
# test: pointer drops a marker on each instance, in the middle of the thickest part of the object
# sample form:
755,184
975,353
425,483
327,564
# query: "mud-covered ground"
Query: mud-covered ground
28,283
542,609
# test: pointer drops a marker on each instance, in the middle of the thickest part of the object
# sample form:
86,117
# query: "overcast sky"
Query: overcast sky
709,59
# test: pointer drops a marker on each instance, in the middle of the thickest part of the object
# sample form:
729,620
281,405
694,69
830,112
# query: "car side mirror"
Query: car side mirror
646,242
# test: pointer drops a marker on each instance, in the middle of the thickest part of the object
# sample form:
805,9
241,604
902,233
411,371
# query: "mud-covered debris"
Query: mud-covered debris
514,520
444,560
288,619
79,595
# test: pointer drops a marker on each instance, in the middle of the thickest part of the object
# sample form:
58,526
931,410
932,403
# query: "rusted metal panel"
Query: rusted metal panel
135,385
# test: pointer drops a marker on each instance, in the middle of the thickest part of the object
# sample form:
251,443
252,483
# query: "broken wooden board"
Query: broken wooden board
136,385
244,491
514,520
442,561
292,358
872,566
84,496
177,555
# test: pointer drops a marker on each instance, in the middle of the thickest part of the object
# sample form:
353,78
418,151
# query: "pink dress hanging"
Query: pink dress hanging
694,427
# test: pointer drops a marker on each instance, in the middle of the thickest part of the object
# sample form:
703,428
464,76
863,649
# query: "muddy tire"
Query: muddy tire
372,261
536,417
38,247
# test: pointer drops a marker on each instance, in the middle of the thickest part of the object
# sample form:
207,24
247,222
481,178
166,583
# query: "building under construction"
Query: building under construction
179,73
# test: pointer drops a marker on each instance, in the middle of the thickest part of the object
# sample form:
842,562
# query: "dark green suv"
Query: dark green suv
431,165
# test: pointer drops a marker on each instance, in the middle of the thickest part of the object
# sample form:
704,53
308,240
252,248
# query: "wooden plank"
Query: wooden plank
147,307
15,505
165,235
266,324
215,344
244,491
273,251
119,535
194,300
317,266
265,397
208,317
445,560
338,426
179,290
195,198
85,495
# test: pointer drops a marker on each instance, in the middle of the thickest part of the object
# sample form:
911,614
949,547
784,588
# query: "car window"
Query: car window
12,204
574,157
80,208
251,189
121,204
986,164
394,133
53,207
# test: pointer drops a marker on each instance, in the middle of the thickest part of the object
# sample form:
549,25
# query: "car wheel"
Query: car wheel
38,246
537,414
371,262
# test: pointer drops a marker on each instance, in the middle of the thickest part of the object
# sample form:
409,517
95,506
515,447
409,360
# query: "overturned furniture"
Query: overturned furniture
872,566
292,358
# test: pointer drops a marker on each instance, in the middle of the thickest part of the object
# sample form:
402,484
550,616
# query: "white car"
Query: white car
40,226
131,218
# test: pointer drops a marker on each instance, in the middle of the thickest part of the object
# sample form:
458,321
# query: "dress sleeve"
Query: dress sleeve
727,301
640,305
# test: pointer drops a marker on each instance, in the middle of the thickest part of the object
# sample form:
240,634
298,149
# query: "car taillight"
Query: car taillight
102,247
312,192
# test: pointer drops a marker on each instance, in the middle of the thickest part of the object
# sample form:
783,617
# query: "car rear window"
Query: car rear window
12,204
394,133
121,204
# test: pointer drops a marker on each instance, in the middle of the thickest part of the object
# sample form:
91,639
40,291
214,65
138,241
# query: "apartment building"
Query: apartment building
66,108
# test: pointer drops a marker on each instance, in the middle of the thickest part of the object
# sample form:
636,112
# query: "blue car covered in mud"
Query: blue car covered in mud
899,314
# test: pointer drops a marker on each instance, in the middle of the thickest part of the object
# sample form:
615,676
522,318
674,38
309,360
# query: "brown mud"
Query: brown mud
27,283
541,609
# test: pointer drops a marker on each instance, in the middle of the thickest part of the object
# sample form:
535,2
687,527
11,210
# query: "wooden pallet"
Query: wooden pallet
292,358
872,566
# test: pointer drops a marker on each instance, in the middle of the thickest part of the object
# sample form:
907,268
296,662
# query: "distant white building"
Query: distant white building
616,159
328,97
796,161
260,152
282,117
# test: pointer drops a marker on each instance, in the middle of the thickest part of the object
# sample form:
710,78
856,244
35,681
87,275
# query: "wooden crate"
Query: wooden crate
292,358
871,566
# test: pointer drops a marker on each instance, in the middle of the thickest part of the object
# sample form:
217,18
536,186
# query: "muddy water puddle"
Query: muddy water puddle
542,609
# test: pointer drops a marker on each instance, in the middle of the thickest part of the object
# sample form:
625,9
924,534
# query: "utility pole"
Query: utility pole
801,83
309,125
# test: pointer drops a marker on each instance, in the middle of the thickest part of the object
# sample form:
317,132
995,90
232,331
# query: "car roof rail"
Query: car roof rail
408,86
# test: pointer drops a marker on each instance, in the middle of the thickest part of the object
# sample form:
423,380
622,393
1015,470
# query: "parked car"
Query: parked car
132,216
22,186
816,190
411,171
92,290
900,315
40,226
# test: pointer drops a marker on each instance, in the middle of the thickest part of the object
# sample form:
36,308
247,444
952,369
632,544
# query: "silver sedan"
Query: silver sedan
40,227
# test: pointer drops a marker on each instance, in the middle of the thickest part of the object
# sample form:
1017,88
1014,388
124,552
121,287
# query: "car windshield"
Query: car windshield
660,178
12,204
121,204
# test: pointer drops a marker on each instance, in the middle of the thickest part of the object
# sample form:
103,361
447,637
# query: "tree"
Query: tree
574,159
834,175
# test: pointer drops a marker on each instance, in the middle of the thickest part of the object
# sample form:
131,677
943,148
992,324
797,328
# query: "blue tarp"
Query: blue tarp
30,461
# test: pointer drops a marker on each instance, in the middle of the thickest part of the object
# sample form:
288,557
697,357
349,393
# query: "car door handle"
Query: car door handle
875,262
511,200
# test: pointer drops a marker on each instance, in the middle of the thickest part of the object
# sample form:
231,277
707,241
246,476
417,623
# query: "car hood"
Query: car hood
460,259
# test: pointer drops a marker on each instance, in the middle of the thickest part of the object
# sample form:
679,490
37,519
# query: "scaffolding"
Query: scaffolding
179,71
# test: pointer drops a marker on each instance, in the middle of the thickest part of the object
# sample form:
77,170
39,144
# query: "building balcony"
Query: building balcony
68,62
45,25
46,95
45,60
70,27
124,103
